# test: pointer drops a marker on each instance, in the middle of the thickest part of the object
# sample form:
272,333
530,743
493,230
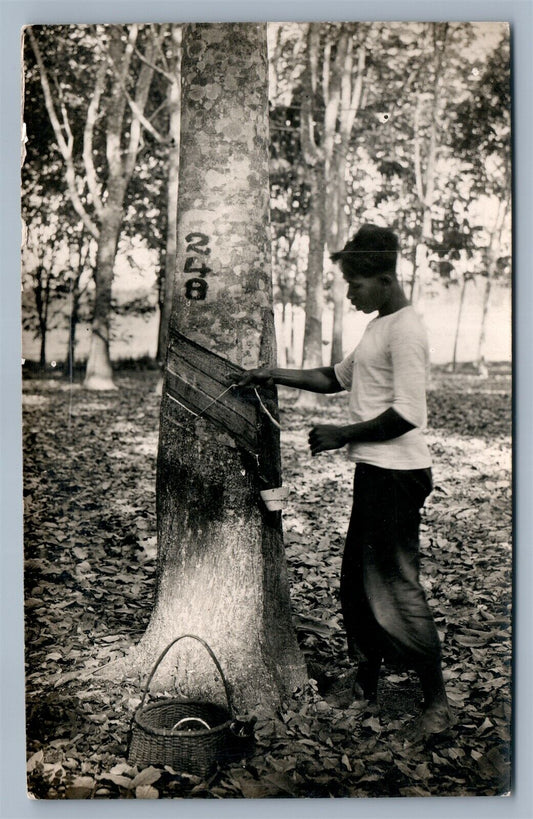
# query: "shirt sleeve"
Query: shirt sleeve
410,364
344,371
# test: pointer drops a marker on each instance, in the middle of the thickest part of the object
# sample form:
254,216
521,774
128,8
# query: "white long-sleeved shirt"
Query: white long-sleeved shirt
389,368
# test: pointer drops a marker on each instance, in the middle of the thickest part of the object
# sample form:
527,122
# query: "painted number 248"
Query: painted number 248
197,246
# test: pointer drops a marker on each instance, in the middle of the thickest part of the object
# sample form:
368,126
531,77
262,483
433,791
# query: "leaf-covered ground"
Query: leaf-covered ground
90,547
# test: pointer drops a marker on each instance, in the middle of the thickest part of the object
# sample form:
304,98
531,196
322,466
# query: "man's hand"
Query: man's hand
326,436
262,376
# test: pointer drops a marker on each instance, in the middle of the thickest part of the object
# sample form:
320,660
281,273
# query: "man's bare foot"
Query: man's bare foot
347,693
433,720
436,719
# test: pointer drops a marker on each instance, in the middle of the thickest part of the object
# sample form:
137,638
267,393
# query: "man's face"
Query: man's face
366,294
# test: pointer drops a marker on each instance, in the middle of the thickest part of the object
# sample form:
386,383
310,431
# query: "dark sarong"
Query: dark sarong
385,611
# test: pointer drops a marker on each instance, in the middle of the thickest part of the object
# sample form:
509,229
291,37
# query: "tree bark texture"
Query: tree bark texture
221,566
174,110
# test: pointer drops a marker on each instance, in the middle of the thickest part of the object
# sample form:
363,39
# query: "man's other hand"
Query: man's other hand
325,437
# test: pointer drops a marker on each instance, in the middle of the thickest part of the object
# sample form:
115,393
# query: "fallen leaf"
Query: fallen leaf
34,760
146,792
146,777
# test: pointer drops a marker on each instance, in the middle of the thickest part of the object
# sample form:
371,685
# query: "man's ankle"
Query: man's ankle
367,682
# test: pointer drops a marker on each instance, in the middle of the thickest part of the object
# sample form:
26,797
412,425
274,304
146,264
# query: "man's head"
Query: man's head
373,250
368,263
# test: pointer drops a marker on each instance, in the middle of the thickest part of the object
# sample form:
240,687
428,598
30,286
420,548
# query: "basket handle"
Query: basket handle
202,722
211,654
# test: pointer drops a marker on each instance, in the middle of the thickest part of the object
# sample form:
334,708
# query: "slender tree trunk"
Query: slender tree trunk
174,107
42,301
339,285
314,294
337,238
74,320
314,291
480,358
71,349
349,68
78,258
42,351
458,323
99,373
42,343
425,178
314,156
221,565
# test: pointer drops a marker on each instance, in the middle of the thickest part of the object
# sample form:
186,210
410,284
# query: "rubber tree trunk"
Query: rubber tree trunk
480,358
425,179
221,565
314,291
99,373
458,323
42,300
314,294
42,351
337,239
70,361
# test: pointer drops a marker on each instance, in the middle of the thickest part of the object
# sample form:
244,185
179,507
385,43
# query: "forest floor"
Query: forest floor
90,546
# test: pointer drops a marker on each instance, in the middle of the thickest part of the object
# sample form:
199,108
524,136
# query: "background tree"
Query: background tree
425,161
172,74
314,158
343,76
290,199
222,571
81,249
47,276
103,182
41,282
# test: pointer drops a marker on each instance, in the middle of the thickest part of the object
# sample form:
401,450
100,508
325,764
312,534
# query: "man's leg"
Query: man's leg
389,608
367,678
363,634
397,598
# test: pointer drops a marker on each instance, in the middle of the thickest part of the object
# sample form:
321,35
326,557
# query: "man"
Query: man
384,607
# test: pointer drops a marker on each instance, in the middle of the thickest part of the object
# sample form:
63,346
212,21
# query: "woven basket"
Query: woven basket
173,731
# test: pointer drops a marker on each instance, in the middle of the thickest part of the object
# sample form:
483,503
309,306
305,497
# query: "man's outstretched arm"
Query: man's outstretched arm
320,379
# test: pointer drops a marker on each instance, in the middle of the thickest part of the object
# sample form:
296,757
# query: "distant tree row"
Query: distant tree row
406,124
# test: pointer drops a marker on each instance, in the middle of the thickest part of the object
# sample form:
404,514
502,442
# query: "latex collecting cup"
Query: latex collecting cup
275,499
